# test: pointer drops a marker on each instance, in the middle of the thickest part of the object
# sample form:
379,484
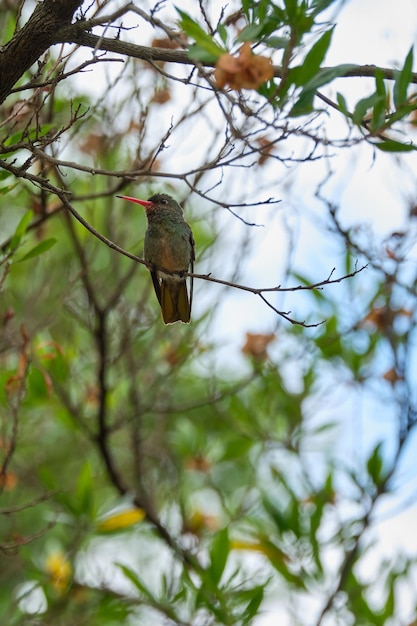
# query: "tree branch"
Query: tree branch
39,33
50,24
75,34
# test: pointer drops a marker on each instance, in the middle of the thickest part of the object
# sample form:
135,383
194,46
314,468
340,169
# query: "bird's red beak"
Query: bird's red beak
144,203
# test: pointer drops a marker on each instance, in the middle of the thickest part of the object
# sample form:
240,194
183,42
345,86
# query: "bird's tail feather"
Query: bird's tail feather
175,304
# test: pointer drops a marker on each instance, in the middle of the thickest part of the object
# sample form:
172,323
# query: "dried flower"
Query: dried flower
246,71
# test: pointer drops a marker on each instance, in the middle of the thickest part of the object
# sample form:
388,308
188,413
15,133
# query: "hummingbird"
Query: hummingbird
169,247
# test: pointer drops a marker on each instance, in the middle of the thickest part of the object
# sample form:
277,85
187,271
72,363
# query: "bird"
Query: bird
169,249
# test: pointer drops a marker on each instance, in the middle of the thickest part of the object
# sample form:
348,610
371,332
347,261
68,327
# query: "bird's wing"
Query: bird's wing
192,259
156,285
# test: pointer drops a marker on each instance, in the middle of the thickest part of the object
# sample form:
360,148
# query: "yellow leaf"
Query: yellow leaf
264,547
120,520
59,570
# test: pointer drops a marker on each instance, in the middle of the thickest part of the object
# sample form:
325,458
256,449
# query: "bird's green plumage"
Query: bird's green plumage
169,251
169,245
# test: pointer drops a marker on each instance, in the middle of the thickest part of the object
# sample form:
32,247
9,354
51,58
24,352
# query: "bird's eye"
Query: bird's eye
164,201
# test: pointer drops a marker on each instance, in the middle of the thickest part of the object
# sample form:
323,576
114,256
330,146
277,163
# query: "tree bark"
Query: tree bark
28,44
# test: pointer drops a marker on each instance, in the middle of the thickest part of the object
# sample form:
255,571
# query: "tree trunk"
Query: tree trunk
37,35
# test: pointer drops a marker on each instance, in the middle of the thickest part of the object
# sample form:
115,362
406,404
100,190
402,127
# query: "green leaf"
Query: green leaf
326,75
319,6
363,106
17,140
194,30
291,7
40,248
276,42
136,581
374,464
311,64
380,107
402,80
236,448
342,104
304,104
218,555
197,53
254,604
262,9
4,174
246,6
394,146
36,385
84,492
222,30
251,32
4,190
20,230
400,113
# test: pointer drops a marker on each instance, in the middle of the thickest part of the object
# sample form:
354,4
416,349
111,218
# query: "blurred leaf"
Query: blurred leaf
5,174
200,53
326,75
276,42
329,340
380,107
84,492
364,105
255,595
194,30
301,74
389,145
133,577
403,80
40,248
120,520
318,6
20,230
219,553
251,32
38,384
375,465
7,188
236,448
342,104
222,30
17,140
304,105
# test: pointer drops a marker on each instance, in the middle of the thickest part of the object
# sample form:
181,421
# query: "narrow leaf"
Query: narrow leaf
342,104
42,247
326,75
197,53
363,106
218,555
121,520
194,30
402,80
254,604
136,581
311,64
251,32
394,146
380,107
304,104
20,230
375,463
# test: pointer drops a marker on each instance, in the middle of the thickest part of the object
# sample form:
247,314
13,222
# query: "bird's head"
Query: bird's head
156,203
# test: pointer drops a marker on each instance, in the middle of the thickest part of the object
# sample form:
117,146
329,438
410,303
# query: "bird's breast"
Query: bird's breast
167,251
